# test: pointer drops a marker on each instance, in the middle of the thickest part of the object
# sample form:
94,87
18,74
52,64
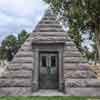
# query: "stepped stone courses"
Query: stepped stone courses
18,78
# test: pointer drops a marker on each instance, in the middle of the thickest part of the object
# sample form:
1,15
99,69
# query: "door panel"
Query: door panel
48,78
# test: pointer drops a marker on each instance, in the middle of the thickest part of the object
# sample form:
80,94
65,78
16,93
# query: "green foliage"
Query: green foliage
11,44
76,37
9,41
7,44
89,55
3,53
82,17
22,36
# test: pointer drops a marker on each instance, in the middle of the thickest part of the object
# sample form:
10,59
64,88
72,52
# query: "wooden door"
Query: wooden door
48,78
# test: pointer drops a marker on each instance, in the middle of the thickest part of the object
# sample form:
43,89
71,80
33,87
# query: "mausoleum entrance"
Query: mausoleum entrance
48,66
48,76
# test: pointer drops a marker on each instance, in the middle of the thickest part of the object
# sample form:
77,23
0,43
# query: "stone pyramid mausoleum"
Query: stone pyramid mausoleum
47,60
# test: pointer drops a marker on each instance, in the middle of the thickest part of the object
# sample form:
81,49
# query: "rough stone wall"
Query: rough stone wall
17,78
82,87
80,80
75,66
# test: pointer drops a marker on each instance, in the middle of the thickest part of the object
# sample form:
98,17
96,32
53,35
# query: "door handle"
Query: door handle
49,69
49,72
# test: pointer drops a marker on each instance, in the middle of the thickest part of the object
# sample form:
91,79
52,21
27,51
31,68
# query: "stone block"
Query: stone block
82,91
18,82
24,54
74,60
24,66
23,60
17,74
76,66
15,91
82,83
72,54
79,74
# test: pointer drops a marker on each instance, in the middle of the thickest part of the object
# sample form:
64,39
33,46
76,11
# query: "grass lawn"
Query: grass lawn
49,98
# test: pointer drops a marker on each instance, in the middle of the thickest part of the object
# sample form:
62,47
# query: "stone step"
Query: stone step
83,91
48,92
15,91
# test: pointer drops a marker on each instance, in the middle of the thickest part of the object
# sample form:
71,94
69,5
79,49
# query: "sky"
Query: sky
16,15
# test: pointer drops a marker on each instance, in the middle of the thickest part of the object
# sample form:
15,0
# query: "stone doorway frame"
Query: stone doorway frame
37,48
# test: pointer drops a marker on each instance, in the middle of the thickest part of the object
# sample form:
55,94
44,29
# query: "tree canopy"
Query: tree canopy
11,44
9,41
81,16
22,36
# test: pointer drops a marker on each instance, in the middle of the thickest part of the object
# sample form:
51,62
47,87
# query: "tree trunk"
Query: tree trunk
98,47
97,32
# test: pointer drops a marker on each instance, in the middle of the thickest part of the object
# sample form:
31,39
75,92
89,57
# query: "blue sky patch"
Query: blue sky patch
16,15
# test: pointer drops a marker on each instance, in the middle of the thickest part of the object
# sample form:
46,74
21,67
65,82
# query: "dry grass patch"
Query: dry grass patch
96,69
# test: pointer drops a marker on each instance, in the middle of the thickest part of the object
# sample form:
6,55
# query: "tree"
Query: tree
95,50
11,44
9,47
9,41
76,37
22,36
89,55
83,15
2,53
